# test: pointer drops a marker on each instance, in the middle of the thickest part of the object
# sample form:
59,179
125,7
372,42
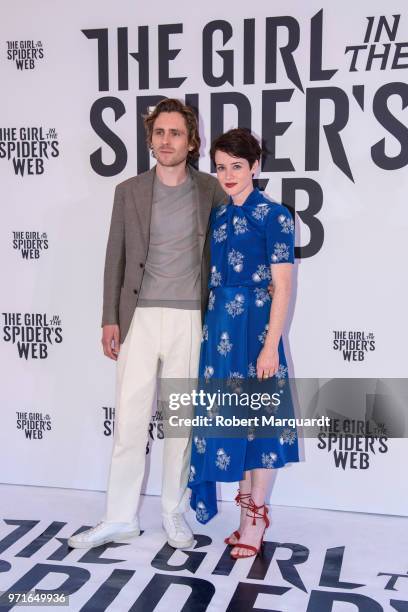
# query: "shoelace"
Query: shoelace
178,522
98,527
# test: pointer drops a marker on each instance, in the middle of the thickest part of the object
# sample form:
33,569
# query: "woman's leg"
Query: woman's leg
260,479
244,489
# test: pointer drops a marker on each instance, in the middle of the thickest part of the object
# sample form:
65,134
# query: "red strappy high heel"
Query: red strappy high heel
239,500
256,514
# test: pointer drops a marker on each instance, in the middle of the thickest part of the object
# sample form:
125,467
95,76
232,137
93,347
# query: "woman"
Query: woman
252,241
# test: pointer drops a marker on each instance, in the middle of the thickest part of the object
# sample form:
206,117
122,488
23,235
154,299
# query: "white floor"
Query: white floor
364,545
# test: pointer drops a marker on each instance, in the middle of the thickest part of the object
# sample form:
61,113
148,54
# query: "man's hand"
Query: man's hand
271,289
110,341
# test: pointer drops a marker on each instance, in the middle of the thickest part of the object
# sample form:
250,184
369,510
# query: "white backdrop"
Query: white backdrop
350,283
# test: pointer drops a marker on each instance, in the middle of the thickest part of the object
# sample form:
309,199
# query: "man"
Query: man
155,283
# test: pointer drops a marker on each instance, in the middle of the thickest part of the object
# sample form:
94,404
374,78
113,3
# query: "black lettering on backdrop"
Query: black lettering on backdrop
332,130
46,536
400,606
166,55
198,600
308,216
109,137
271,128
23,527
77,577
108,591
221,99
227,56
300,554
219,54
193,558
392,125
142,56
200,591
390,586
378,51
323,602
245,596
101,36
330,576
249,52
316,50
271,49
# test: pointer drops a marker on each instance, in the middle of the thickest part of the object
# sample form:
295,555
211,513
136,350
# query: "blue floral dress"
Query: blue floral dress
245,240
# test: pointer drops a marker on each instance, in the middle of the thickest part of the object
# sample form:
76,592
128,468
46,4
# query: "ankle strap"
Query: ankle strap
240,497
254,511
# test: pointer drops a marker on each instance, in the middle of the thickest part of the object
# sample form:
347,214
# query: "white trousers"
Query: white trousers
169,338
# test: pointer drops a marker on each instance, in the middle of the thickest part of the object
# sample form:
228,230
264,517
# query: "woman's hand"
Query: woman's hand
267,363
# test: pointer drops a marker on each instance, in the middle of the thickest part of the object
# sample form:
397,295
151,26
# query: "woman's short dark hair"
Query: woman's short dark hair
172,105
238,142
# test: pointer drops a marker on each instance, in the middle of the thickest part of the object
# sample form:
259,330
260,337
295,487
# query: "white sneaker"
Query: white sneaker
103,533
179,534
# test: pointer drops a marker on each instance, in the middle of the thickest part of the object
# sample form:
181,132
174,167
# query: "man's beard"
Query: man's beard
170,161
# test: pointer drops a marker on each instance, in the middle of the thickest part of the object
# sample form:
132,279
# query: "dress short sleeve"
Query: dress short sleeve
280,236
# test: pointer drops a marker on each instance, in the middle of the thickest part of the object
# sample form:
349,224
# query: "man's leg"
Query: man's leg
136,389
181,343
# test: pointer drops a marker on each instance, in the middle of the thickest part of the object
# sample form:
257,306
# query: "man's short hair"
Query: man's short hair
172,105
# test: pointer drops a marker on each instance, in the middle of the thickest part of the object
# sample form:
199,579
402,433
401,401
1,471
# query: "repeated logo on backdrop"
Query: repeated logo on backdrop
34,425
108,420
353,443
30,244
155,425
25,53
29,149
32,333
353,345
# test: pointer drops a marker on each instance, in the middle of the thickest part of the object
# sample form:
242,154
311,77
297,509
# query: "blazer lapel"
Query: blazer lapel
143,199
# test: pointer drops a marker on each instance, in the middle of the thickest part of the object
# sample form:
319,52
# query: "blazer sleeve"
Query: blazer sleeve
114,262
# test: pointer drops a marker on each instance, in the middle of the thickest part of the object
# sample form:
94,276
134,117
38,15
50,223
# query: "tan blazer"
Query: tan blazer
129,237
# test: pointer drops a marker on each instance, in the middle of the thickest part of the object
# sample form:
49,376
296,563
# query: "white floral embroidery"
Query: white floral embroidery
200,444
234,381
282,372
208,372
262,336
211,301
260,212
261,296
262,273
192,473
223,460
251,371
201,512
240,225
220,234
280,253
204,334
235,259
221,210
236,306
288,227
215,277
288,436
268,459
225,345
